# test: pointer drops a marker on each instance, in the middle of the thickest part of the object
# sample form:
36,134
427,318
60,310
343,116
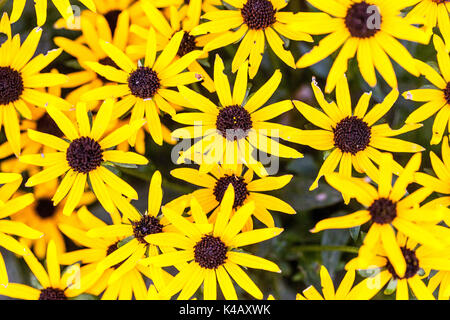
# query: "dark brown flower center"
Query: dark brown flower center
258,14
46,124
52,294
84,155
383,210
447,93
363,20
11,85
239,186
147,225
144,82
45,208
234,122
188,44
107,61
440,1
352,135
210,252
412,264
112,17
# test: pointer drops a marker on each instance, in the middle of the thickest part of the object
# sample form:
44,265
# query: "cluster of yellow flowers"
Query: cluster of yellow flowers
69,135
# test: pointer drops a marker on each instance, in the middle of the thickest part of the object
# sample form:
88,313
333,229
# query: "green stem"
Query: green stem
326,248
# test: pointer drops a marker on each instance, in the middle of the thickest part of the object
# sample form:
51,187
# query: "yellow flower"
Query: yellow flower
207,254
441,183
40,121
343,292
183,20
246,189
112,282
431,13
86,48
54,286
368,29
387,211
63,6
86,155
255,22
8,207
232,132
144,88
45,217
352,136
419,261
437,99
134,229
19,79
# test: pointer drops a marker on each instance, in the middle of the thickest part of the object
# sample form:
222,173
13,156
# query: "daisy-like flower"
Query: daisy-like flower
20,77
368,29
437,99
208,256
386,211
53,284
432,13
440,183
42,215
40,121
255,22
95,249
135,227
351,136
63,6
246,189
184,20
8,207
144,88
328,291
84,157
231,132
419,261
86,48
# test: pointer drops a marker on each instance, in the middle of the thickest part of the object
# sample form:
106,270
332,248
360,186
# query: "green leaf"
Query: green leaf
124,241
354,232
392,285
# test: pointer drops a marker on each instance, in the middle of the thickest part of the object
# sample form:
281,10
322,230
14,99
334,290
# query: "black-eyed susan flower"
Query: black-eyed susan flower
179,20
94,250
437,99
442,280
144,88
328,290
431,13
84,157
53,284
20,80
246,189
419,261
94,27
387,210
440,183
40,121
63,6
43,216
351,136
9,206
371,30
251,22
233,130
208,255
134,228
